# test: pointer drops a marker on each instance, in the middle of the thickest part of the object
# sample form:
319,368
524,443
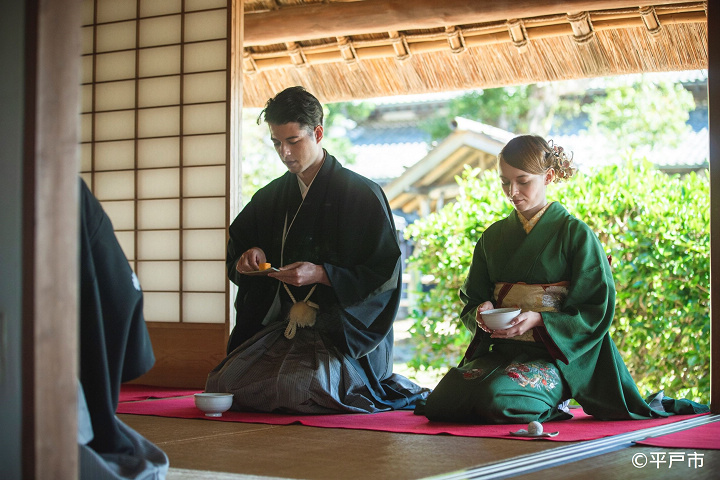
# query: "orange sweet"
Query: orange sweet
265,266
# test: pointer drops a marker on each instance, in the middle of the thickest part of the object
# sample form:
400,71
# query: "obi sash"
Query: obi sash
530,297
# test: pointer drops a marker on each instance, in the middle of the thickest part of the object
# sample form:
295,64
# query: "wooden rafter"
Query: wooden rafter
350,49
292,24
455,39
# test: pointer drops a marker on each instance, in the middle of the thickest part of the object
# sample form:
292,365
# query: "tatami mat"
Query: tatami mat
189,474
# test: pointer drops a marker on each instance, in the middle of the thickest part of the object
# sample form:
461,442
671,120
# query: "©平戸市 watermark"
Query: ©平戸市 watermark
668,460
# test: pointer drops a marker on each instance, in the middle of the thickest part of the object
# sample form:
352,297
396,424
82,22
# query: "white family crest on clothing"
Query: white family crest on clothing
136,282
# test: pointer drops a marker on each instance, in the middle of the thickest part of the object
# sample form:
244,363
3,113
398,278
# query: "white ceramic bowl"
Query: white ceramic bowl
499,318
213,404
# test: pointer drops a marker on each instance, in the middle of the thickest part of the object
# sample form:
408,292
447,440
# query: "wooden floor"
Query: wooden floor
299,452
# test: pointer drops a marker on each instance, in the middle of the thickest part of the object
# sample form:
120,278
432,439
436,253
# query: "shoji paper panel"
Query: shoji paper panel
127,243
205,118
86,98
191,5
86,158
204,213
159,276
204,181
204,308
86,123
158,214
88,179
159,152
86,76
205,56
122,214
159,183
114,185
155,145
153,92
160,31
161,307
204,87
114,125
158,245
114,10
114,66
160,7
204,244
159,61
118,155
115,36
158,122
203,276
210,25
115,95
205,149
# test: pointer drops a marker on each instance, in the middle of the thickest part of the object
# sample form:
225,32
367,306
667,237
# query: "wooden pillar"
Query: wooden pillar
235,104
714,126
50,239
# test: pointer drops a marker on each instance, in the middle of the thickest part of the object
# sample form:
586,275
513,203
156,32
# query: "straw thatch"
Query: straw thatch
339,50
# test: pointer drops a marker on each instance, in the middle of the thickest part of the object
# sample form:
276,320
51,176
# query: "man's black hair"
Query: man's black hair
294,104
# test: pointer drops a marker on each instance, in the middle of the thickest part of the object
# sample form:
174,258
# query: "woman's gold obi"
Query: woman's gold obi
537,298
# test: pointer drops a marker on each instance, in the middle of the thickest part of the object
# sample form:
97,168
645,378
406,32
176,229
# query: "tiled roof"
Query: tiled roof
588,151
384,134
384,152
384,162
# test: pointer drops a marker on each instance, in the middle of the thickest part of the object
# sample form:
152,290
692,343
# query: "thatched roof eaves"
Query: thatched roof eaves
666,37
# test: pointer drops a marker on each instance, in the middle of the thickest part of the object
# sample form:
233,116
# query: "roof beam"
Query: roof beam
338,19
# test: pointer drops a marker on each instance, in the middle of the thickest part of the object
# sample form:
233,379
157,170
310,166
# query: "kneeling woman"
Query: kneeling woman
551,265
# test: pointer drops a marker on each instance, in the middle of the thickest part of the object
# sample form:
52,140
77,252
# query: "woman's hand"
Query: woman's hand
478,318
520,324
301,273
250,260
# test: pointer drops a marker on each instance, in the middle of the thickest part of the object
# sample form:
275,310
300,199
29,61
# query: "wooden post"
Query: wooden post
50,239
234,157
714,127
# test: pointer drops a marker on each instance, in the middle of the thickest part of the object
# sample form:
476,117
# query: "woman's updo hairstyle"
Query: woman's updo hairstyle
532,154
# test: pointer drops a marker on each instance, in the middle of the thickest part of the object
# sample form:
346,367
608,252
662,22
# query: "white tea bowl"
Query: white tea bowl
213,404
499,318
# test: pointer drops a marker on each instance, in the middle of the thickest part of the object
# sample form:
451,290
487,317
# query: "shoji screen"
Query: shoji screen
155,122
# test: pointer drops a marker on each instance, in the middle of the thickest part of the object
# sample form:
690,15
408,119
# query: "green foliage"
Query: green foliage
655,226
260,163
340,117
506,107
664,109
524,108
444,244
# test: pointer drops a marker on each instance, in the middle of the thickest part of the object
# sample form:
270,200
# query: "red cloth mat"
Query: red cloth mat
705,437
131,392
582,427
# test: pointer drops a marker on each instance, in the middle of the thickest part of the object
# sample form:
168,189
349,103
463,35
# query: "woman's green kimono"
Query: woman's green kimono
572,356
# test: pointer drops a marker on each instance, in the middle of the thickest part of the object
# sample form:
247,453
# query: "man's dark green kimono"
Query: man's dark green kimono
114,348
344,362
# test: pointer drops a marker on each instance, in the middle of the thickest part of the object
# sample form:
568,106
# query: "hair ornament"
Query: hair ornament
560,162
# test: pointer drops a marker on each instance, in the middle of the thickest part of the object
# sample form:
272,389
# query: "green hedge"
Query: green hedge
655,226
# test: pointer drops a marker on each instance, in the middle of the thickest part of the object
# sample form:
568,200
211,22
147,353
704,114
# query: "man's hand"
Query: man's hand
301,273
250,260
